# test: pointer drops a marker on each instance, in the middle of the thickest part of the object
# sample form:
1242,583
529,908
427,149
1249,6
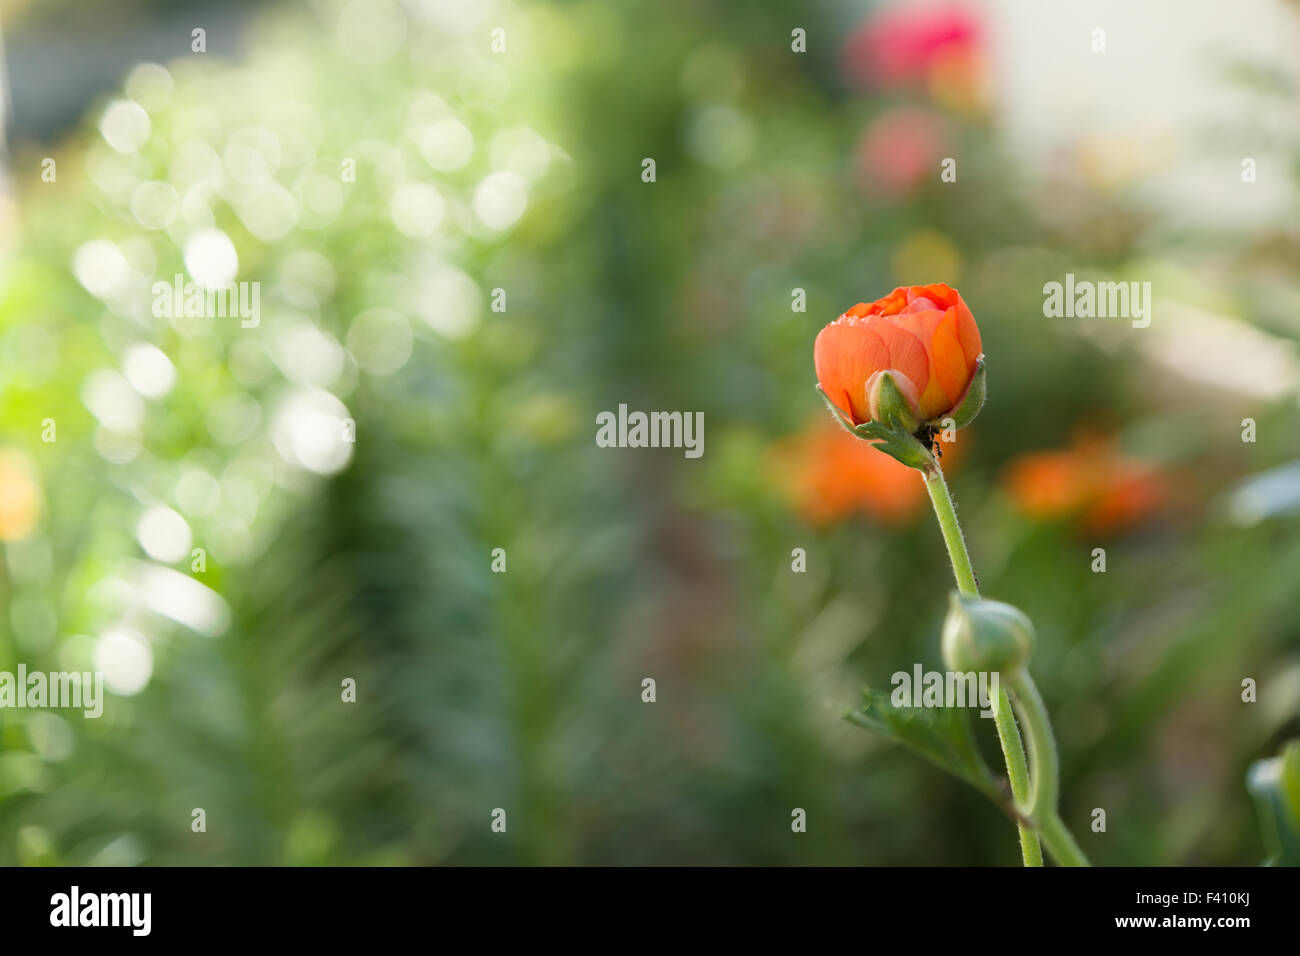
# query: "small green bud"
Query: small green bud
892,400
988,636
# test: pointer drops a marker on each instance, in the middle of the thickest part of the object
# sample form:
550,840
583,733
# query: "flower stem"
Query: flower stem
1013,751
1060,843
1018,772
1042,806
947,515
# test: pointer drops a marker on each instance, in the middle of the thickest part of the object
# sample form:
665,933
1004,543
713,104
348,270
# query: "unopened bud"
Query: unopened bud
892,400
986,636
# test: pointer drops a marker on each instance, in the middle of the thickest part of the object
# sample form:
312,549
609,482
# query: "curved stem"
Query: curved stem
1060,843
1042,746
1045,778
1013,751
1031,851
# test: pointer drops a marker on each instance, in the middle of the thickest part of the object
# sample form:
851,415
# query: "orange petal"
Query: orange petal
945,296
934,400
969,334
906,353
921,303
949,359
891,304
921,324
845,355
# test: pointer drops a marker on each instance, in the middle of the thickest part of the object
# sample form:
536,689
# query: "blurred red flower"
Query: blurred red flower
938,46
1090,482
827,474
900,149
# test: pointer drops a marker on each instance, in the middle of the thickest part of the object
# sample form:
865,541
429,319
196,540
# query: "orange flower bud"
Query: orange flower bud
925,334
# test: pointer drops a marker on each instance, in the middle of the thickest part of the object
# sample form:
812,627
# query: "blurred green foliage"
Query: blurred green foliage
327,559
1275,784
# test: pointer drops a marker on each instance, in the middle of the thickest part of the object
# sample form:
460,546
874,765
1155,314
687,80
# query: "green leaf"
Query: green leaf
1275,785
941,735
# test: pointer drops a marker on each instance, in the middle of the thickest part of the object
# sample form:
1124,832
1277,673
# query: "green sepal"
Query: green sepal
897,444
893,441
835,410
965,411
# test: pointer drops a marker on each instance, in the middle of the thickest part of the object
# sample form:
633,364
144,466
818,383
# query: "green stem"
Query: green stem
1045,778
1018,772
1013,751
1060,843
947,515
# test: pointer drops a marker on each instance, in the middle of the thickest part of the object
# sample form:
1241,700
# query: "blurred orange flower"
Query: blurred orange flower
1090,482
828,474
